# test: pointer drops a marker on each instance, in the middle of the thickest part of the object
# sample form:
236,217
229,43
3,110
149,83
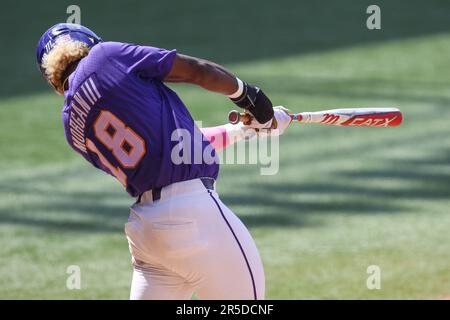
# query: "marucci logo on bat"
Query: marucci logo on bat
330,118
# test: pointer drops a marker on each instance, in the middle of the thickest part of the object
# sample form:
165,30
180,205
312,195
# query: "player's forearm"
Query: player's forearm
223,136
204,73
216,78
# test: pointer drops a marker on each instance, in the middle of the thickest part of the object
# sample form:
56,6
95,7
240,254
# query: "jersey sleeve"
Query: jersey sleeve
145,61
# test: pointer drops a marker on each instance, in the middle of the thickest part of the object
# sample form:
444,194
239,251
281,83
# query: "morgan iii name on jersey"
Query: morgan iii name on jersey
121,118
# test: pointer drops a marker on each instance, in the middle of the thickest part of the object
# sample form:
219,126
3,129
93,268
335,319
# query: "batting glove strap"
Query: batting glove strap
256,102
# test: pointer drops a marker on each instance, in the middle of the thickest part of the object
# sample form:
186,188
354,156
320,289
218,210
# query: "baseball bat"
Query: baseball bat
356,117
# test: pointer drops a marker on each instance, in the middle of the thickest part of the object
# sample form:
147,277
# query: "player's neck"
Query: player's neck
70,68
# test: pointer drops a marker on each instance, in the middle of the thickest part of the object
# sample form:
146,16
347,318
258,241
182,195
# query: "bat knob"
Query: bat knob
234,117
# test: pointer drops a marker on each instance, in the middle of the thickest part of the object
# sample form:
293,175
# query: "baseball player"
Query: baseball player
121,117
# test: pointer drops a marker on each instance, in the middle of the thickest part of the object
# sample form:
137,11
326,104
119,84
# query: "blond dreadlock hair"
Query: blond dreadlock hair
59,59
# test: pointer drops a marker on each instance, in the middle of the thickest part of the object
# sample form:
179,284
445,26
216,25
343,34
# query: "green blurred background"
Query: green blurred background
344,198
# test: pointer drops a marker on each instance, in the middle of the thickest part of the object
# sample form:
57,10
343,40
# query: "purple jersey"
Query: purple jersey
121,117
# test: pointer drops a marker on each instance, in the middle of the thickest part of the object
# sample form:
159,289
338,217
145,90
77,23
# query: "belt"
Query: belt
207,182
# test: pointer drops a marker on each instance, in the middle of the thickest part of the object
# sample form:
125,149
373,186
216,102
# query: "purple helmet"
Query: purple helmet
69,30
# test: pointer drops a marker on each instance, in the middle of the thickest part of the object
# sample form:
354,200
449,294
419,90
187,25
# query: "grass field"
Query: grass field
344,198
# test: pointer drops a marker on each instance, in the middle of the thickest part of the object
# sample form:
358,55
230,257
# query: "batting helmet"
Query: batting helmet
68,30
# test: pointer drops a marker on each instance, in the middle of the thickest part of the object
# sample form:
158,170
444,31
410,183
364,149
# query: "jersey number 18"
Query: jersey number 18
125,144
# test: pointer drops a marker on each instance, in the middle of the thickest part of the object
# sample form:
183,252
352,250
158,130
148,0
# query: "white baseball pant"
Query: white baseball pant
189,242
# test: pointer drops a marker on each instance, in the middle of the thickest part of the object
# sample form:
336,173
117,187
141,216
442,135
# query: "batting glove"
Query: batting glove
276,126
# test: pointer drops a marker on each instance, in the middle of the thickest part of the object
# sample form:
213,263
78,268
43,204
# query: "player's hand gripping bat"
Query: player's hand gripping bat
357,117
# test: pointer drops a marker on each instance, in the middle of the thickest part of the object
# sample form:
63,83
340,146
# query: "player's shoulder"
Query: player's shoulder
105,49
111,49
99,56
